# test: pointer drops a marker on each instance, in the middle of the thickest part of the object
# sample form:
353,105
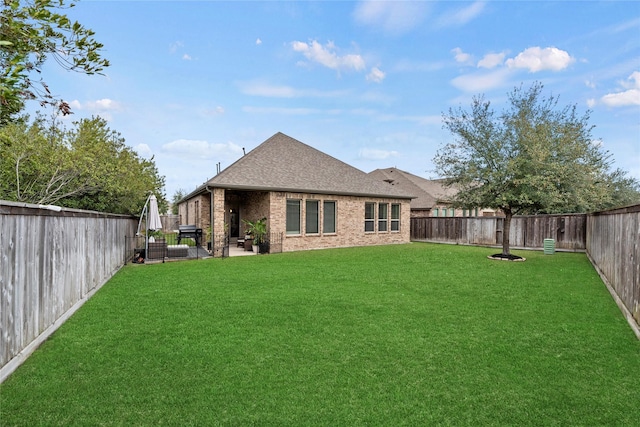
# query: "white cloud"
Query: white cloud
537,59
481,81
102,107
282,111
631,96
268,90
260,88
461,57
143,150
258,41
103,104
375,154
189,149
396,17
327,55
491,60
173,47
186,57
591,102
461,16
376,75
405,65
218,111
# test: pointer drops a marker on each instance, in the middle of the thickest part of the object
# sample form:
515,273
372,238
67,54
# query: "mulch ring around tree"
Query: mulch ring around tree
509,257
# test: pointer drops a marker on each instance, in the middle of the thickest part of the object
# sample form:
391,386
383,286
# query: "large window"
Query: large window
395,217
383,216
293,216
369,217
329,217
312,215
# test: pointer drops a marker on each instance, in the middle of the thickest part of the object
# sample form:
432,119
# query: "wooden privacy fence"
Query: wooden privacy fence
170,222
613,245
568,231
51,261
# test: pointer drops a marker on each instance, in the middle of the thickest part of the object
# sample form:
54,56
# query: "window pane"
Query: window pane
329,219
369,216
395,217
293,216
312,217
395,211
382,216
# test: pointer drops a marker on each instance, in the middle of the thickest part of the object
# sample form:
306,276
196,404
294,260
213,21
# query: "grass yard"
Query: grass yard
417,334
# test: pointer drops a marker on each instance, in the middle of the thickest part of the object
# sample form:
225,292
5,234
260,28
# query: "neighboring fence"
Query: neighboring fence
170,222
613,245
51,261
568,231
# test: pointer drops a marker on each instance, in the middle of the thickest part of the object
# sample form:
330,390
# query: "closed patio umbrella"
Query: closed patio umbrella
154,216
152,219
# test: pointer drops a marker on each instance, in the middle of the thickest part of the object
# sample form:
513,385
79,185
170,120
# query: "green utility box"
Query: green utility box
549,246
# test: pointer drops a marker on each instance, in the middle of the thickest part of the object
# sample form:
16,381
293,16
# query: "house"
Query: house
432,197
309,199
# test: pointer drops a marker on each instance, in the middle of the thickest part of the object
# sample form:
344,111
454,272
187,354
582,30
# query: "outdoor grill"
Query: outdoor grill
190,231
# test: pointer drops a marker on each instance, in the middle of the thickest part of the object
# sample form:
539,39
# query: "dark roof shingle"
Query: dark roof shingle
428,193
282,163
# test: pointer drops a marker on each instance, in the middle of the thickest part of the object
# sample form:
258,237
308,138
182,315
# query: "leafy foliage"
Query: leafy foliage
30,33
87,167
257,229
177,196
535,157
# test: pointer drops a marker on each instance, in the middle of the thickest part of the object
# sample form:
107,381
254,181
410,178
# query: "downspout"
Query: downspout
211,218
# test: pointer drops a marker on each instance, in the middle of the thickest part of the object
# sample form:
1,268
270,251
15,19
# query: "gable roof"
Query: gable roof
282,163
428,192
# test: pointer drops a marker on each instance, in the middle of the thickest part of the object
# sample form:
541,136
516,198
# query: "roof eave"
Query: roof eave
308,190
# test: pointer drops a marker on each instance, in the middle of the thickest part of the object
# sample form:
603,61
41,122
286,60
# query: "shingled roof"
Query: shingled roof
428,192
282,163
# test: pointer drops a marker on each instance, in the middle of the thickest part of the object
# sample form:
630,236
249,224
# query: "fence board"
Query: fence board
613,244
526,231
49,262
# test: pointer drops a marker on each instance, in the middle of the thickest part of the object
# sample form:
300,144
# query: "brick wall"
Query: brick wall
349,222
196,211
273,206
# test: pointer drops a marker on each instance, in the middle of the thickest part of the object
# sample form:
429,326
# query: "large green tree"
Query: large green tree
533,157
32,31
86,167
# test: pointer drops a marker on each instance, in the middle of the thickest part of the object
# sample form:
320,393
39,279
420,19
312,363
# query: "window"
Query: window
312,215
329,217
293,216
369,217
435,211
395,217
383,216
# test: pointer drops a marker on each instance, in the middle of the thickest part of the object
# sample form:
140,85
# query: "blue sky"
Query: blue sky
192,83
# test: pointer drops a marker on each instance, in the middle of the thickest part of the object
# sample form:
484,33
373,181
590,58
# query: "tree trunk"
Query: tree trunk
506,230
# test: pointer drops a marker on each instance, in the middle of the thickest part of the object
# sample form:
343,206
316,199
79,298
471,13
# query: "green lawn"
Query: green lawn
417,334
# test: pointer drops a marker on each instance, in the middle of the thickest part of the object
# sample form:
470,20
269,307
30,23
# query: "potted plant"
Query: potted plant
258,231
